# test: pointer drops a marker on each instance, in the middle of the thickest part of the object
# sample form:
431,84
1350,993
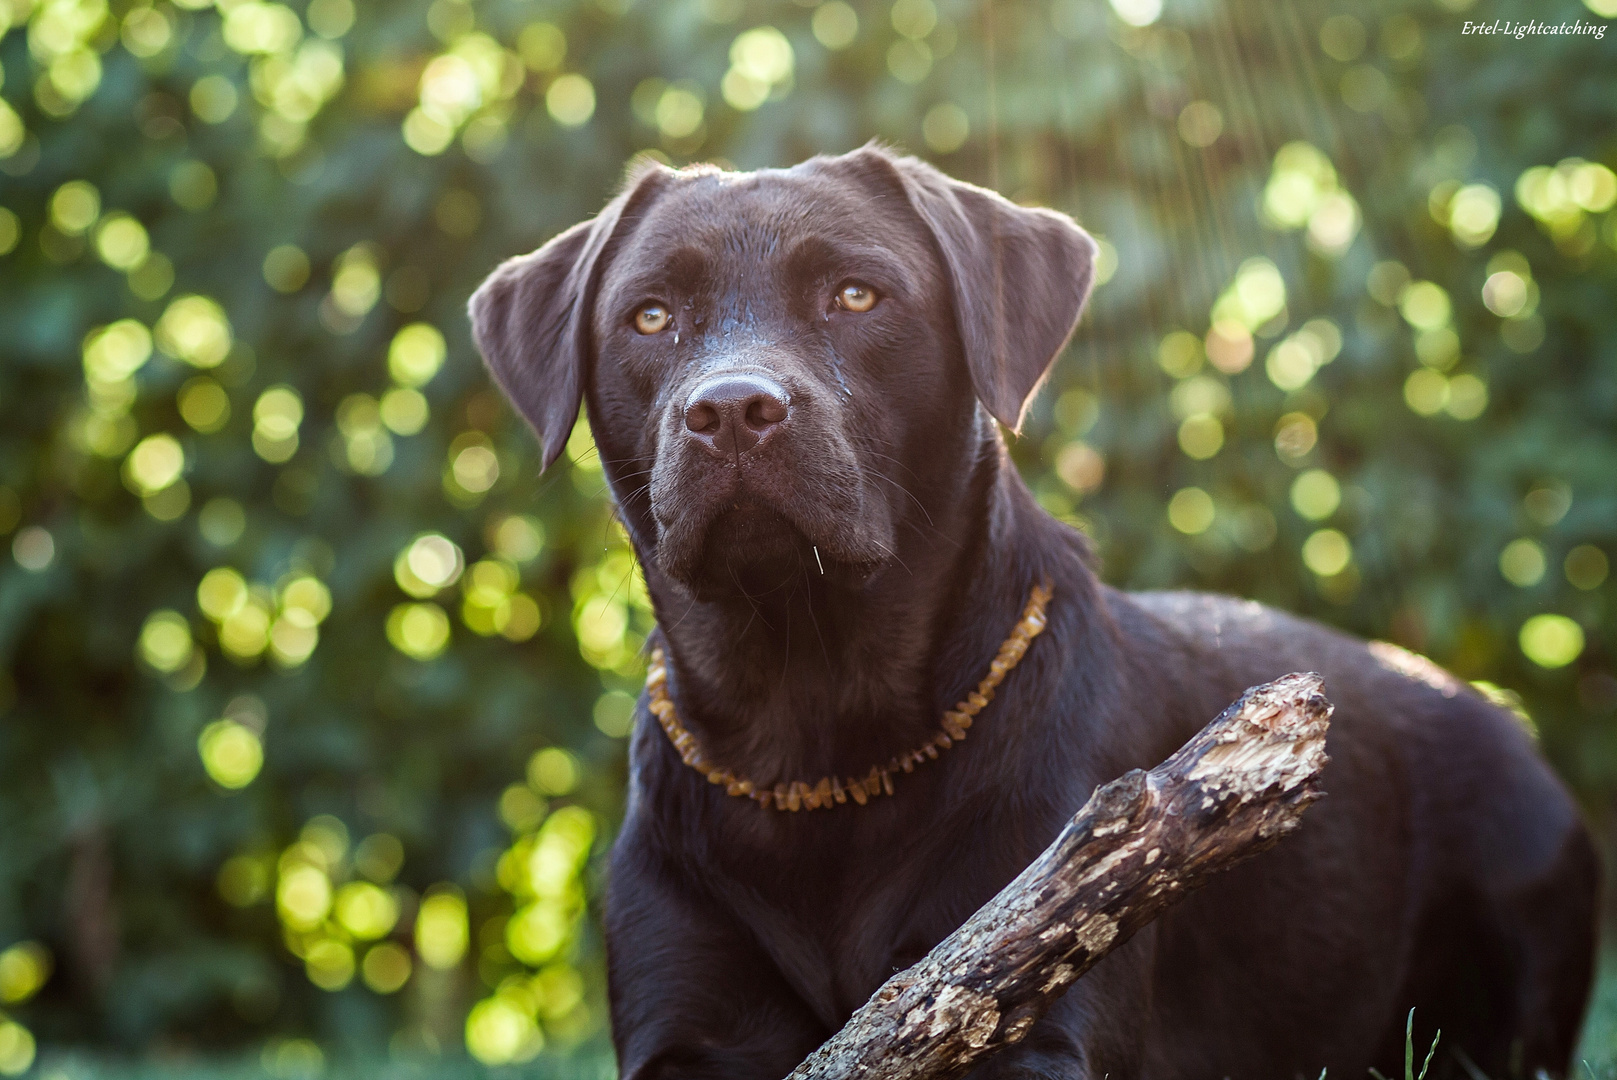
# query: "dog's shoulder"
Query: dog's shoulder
1214,619
1375,685
1234,642
1237,643
1256,642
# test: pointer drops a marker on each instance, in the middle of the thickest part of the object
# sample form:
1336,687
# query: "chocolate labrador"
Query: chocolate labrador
796,380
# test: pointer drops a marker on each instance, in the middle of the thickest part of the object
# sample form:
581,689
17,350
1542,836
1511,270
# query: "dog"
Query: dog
796,380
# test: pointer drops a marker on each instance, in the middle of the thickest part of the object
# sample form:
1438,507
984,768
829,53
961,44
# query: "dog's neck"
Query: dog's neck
827,678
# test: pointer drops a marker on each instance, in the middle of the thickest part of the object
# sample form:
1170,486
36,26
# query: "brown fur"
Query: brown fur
1447,870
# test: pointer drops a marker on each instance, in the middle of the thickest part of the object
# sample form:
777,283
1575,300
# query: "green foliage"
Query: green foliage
304,663
1409,1053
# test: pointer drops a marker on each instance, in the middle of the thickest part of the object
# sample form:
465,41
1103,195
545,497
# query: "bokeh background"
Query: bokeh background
313,690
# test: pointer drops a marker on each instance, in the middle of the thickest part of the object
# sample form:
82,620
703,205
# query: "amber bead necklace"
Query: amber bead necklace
830,790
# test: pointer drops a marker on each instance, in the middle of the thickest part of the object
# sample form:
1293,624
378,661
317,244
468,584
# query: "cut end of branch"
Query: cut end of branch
1273,738
1293,703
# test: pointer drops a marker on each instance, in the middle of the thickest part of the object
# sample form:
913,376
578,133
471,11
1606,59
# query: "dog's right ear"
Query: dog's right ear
531,317
1019,276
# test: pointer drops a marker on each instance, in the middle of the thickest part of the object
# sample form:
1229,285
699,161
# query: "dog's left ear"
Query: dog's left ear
1019,278
531,317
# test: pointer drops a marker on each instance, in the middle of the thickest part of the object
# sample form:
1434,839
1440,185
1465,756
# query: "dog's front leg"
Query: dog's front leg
693,995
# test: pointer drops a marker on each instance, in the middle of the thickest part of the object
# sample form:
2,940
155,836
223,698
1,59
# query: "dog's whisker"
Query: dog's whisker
677,623
618,588
918,504
637,492
895,557
867,443
814,621
747,596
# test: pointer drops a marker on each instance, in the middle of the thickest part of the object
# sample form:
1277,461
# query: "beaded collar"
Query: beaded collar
831,790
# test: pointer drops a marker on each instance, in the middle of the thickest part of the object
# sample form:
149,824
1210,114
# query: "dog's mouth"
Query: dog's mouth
719,535
750,540
751,531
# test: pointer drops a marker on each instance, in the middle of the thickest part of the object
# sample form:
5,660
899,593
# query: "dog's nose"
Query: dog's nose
731,414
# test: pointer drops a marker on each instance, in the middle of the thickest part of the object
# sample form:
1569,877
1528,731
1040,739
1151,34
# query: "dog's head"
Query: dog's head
778,363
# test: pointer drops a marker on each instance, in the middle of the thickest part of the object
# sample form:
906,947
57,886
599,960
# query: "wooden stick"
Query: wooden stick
1140,844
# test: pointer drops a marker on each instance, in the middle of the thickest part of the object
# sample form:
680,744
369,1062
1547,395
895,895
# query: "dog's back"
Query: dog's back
1449,845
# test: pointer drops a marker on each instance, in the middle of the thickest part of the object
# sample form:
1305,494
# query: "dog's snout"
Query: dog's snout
731,414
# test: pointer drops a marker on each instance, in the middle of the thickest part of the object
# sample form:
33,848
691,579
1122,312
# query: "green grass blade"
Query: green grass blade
1430,1054
1409,1046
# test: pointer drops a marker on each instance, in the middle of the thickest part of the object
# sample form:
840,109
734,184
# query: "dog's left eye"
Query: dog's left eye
856,296
652,319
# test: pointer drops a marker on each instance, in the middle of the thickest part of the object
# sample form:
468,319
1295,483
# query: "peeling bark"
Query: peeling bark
1140,844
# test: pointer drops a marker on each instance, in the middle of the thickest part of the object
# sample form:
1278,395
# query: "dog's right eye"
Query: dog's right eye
652,318
856,296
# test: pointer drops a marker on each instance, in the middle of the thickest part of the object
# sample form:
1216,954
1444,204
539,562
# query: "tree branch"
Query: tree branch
1140,844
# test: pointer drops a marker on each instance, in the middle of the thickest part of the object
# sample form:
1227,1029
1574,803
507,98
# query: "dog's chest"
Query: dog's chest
840,909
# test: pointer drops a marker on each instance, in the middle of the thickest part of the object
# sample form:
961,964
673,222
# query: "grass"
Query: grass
92,1067
1409,1053
1596,1058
